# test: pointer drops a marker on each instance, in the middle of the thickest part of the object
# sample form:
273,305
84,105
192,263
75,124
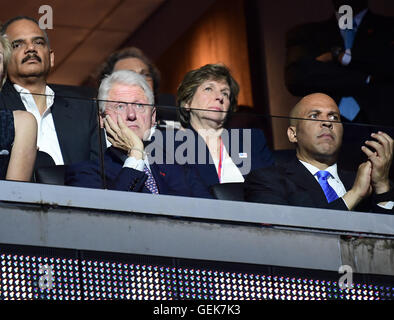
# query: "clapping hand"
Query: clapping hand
361,187
380,159
372,175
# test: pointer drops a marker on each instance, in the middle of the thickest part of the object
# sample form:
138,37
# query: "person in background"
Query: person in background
133,59
352,63
18,132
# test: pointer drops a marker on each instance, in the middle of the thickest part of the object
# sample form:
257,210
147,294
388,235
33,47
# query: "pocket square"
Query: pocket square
243,155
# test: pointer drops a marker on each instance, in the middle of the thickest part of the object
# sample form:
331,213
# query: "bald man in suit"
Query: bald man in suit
312,178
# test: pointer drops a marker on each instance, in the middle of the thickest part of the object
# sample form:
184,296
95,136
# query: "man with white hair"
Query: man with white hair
128,115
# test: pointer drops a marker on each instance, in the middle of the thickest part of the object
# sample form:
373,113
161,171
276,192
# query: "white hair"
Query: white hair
126,77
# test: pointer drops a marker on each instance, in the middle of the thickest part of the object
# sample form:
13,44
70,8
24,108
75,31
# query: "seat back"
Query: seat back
50,175
233,191
281,157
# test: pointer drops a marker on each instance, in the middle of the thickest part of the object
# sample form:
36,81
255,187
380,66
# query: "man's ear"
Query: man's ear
292,134
153,116
52,58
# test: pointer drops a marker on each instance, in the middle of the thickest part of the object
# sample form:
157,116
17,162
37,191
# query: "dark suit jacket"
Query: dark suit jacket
75,119
170,179
247,148
372,54
292,184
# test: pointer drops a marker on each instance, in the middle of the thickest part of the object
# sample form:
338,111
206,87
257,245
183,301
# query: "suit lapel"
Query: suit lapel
63,121
347,178
305,181
206,170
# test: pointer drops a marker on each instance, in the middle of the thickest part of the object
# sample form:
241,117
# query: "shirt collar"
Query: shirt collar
333,170
50,94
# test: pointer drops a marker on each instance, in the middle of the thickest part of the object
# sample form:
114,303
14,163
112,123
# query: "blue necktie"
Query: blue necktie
350,34
348,106
327,189
150,183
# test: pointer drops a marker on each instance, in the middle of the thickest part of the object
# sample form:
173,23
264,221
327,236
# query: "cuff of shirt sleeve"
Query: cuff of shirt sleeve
133,163
347,57
388,205
387,197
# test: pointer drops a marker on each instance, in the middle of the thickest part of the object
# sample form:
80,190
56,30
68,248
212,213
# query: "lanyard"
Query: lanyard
220,167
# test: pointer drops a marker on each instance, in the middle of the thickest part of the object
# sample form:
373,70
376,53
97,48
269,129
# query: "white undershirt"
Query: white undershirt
47,140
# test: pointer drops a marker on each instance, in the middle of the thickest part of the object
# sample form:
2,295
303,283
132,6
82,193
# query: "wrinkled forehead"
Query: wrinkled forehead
127,93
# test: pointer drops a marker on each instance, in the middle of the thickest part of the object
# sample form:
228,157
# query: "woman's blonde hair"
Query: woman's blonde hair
7,52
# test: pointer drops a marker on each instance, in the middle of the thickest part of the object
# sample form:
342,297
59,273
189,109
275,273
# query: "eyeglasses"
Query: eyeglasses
122,107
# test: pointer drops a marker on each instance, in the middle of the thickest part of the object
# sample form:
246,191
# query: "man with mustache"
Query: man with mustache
67,128
312,179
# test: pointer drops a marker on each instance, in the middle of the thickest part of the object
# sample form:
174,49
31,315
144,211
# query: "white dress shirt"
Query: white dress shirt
333,180
47,140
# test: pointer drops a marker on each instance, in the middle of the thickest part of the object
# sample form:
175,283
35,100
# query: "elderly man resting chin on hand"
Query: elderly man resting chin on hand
128,115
